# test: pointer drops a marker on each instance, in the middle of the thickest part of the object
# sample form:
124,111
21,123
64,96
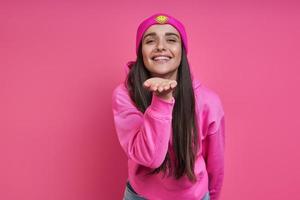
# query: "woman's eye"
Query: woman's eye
172,40
149,41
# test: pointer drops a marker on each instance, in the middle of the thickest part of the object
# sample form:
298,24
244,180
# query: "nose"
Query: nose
160,45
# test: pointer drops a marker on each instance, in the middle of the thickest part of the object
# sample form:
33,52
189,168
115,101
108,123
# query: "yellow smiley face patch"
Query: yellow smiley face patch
161,19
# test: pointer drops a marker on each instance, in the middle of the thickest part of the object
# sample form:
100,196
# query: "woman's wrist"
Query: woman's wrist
167,97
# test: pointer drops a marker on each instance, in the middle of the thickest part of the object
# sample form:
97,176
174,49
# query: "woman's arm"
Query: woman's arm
215,145
143,136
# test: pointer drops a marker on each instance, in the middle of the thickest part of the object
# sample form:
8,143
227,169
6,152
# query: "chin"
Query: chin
162,73
161,69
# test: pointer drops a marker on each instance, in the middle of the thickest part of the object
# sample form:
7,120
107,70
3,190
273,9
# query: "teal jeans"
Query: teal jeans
130,194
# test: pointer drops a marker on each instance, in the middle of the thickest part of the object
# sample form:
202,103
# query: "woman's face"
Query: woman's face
161,48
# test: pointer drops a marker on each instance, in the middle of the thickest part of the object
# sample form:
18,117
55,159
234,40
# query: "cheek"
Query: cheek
146,58
176,49
177,53
146,52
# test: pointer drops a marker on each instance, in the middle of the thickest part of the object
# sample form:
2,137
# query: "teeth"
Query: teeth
161,58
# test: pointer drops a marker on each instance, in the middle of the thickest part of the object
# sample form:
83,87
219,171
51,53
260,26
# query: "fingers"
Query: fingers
154,87
147,83
167,86
150,86
160,85
173,84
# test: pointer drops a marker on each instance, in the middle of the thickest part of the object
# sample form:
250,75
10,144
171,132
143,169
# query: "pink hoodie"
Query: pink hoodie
147,137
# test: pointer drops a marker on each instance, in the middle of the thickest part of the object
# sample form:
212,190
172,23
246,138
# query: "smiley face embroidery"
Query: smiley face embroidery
161,19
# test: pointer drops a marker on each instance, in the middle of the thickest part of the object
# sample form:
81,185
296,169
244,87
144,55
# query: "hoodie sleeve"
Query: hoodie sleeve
214,147
143,136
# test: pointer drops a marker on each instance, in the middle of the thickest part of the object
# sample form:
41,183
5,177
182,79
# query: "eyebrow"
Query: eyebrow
167,34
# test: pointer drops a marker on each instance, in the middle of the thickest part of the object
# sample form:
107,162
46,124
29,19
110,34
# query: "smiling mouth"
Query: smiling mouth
161,59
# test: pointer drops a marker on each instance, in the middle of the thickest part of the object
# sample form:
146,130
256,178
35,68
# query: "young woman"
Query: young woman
170,126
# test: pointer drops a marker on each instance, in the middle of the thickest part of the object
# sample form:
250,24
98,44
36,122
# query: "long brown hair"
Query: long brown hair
184,122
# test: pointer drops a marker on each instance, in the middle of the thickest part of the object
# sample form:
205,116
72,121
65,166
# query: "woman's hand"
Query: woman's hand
161,87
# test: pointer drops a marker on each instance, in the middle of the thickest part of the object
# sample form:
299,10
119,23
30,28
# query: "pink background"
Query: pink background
60,61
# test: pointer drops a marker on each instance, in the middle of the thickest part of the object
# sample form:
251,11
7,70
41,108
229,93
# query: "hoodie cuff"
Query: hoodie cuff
162,107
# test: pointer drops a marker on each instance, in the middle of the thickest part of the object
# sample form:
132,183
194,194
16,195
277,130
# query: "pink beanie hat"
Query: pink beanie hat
160,18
